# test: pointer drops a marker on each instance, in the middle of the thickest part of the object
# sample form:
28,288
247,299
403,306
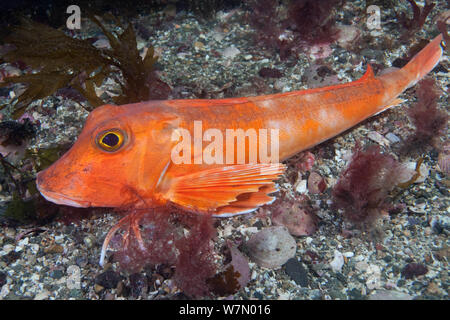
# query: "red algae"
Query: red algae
429,121
362,190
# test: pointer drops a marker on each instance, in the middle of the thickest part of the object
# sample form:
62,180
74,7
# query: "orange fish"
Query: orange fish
124,155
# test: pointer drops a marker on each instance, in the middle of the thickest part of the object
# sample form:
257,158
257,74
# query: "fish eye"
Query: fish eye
110,140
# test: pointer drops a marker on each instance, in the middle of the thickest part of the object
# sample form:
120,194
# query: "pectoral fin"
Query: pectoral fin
228,190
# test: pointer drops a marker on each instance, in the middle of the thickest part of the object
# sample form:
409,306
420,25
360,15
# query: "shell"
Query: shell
271,247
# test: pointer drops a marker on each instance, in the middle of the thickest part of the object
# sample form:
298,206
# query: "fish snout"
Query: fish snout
52,188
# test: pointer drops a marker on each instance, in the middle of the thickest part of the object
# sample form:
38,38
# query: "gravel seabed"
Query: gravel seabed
47,264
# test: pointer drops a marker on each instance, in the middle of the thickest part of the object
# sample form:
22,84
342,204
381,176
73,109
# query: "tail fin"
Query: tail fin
419,66
425,60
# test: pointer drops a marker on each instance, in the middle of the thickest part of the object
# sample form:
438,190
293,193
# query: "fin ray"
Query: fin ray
231,189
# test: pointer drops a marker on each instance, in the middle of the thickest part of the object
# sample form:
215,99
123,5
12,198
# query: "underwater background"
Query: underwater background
359,231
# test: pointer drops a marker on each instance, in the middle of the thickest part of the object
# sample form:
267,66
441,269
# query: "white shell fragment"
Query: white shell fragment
271,247
378,138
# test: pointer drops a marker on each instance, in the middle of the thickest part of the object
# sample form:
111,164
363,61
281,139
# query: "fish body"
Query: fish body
141,171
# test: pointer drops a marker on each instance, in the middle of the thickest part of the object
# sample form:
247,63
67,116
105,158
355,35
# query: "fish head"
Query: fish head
116,160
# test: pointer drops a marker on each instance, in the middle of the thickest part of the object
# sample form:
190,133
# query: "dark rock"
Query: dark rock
323,71
56,274
401,283
179,296
355,294
336,294
258,224
400,62
108,279
417,285
270,73
297,272
440,68
165,271
75,293
373,54
258,295
4,92
2,279
138,284
11,257
412,270
82,261
341,278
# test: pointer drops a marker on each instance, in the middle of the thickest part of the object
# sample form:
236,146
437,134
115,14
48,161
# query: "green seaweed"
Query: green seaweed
19,209
43,158
60,61
27,205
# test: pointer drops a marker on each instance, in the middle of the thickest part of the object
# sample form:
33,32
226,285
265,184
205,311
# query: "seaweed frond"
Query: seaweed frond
306,23
265,19
363,188
442,27
207,9
60,61
172,237
15,133
420,14
313,20
140,82
429,121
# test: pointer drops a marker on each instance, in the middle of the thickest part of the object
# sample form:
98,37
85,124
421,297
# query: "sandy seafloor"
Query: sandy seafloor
373,260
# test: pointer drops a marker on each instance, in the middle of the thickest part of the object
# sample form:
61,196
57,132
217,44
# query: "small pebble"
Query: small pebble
56,248
338,261
302,186
297,272
392,138
230,52
108,279
98,288
271,247
43,295
199,45
433,289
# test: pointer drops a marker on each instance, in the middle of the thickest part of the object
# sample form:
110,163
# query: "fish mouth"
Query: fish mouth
59,198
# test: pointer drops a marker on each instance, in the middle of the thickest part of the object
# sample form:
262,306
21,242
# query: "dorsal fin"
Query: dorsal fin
368,75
